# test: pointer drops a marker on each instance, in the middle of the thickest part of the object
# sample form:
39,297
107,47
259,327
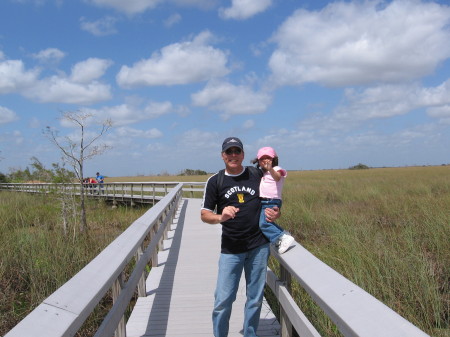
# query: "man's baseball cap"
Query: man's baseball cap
232,142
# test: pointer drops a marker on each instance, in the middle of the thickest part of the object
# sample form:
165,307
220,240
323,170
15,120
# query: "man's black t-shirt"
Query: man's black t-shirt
242,233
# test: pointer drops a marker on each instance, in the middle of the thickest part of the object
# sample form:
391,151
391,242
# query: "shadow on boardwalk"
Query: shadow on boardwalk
180,290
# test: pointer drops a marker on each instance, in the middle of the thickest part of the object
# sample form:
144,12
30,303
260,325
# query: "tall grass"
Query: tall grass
387,230
37,258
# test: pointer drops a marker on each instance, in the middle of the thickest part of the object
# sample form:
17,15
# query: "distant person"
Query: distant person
92,182
88,184
100,181
270,190
231,198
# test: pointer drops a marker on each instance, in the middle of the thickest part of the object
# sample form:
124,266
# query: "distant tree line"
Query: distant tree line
359,167
189,172
36,171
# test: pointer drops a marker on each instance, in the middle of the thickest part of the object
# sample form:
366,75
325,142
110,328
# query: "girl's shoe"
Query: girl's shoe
284,243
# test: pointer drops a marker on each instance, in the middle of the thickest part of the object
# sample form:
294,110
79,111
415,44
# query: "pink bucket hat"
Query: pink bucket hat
266,151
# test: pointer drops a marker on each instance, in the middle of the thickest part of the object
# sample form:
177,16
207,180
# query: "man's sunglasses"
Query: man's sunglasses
233,151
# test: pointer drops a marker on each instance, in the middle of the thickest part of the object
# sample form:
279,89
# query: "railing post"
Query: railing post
160,222
116,289
285,323
153,232
142,290
166,229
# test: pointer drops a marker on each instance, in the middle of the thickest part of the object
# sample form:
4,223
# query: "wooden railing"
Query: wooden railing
354,311
125,191
64,312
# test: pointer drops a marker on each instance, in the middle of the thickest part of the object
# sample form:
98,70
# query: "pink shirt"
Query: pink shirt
269,188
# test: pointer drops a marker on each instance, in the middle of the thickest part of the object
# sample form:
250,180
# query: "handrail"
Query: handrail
116,191
354,311
64,311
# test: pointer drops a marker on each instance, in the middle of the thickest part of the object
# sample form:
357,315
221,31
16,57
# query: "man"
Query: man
243,246
100,181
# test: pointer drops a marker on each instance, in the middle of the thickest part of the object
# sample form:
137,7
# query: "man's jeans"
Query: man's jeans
254,264
270,229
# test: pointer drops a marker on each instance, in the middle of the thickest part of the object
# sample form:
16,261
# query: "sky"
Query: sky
327,84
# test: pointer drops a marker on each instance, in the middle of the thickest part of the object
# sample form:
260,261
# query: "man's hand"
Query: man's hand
229,212
212,218
272,214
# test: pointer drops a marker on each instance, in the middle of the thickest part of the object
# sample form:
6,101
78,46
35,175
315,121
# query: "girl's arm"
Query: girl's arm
276,175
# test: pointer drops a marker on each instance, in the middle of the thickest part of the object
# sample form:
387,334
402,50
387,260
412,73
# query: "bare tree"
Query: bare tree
76,150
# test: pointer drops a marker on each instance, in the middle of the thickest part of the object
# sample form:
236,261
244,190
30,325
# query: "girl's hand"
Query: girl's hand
267,165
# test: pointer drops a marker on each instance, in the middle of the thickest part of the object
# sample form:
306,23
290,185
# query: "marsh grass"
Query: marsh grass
37,258
387,230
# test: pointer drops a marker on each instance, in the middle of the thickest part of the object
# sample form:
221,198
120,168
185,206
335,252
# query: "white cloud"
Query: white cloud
49,55
178,63
102,27
195,139
231,99
63,90
391,100
89,70
35,2
7,115
129,7
202,4
172,20
14,77
381,102
135,133
119,114
244,9
81,87
18,137
34,123
133,112
248,124
351,43
442,113
157,109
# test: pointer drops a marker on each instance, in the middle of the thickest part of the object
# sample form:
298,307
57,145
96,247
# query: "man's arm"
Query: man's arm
212,218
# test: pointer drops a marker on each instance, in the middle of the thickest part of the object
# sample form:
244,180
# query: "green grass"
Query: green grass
387,230
36,258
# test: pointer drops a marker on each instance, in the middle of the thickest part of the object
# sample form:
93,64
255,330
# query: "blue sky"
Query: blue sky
327,84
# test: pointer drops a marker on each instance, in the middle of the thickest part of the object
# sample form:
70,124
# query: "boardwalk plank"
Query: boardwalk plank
180,290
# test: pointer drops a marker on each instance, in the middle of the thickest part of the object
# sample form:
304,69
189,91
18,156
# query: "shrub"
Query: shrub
359,167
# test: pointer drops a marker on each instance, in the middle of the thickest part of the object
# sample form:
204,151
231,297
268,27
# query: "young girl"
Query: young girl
270,190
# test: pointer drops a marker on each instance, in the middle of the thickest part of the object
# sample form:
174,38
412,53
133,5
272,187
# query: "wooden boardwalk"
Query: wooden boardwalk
180,290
